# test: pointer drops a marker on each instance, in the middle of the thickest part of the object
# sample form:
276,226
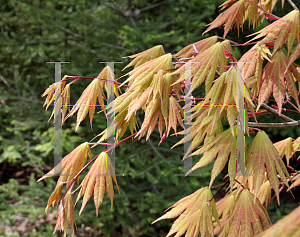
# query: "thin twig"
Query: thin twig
239,183
288,124
275,194
293,5
289,102
273,111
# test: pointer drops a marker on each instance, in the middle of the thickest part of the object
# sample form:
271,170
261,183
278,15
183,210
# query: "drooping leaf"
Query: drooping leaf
224,94
253,62
221,147
65,103
108,76
206,125
263,157
248,217
98,179
71,164
236,14
195,215
141,76
274,79
53,91
204,66
87,102
282,30
65,215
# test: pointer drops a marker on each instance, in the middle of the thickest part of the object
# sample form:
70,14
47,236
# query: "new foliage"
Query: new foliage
155,86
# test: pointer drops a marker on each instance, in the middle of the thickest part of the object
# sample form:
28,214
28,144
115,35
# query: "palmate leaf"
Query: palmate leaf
224,94
70,165
98,179
65,103
53,91
285,29
248,217
204,65
235,15
289,226
276,80
195,215
88,100
264,193
205,126
221,147
253,63
285,148
141,77
263,157
107,76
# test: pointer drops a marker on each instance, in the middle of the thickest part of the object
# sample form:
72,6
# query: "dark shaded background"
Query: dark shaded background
85,32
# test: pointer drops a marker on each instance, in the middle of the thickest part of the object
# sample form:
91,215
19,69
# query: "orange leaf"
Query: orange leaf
262,156
195,214
97,179
65,215
273,81
285,29
248,217
233,15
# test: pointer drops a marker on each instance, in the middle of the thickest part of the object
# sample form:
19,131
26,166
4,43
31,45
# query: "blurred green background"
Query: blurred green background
84,33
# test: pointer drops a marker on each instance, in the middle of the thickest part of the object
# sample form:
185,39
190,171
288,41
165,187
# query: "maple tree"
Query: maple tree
155,85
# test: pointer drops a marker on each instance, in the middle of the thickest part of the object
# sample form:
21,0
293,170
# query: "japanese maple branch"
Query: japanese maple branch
293,5
72,181
289,102
272,111
288,124
239,183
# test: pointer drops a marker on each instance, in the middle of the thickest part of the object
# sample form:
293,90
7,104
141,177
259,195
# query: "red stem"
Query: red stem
289,102
219,190
275,194
239,183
